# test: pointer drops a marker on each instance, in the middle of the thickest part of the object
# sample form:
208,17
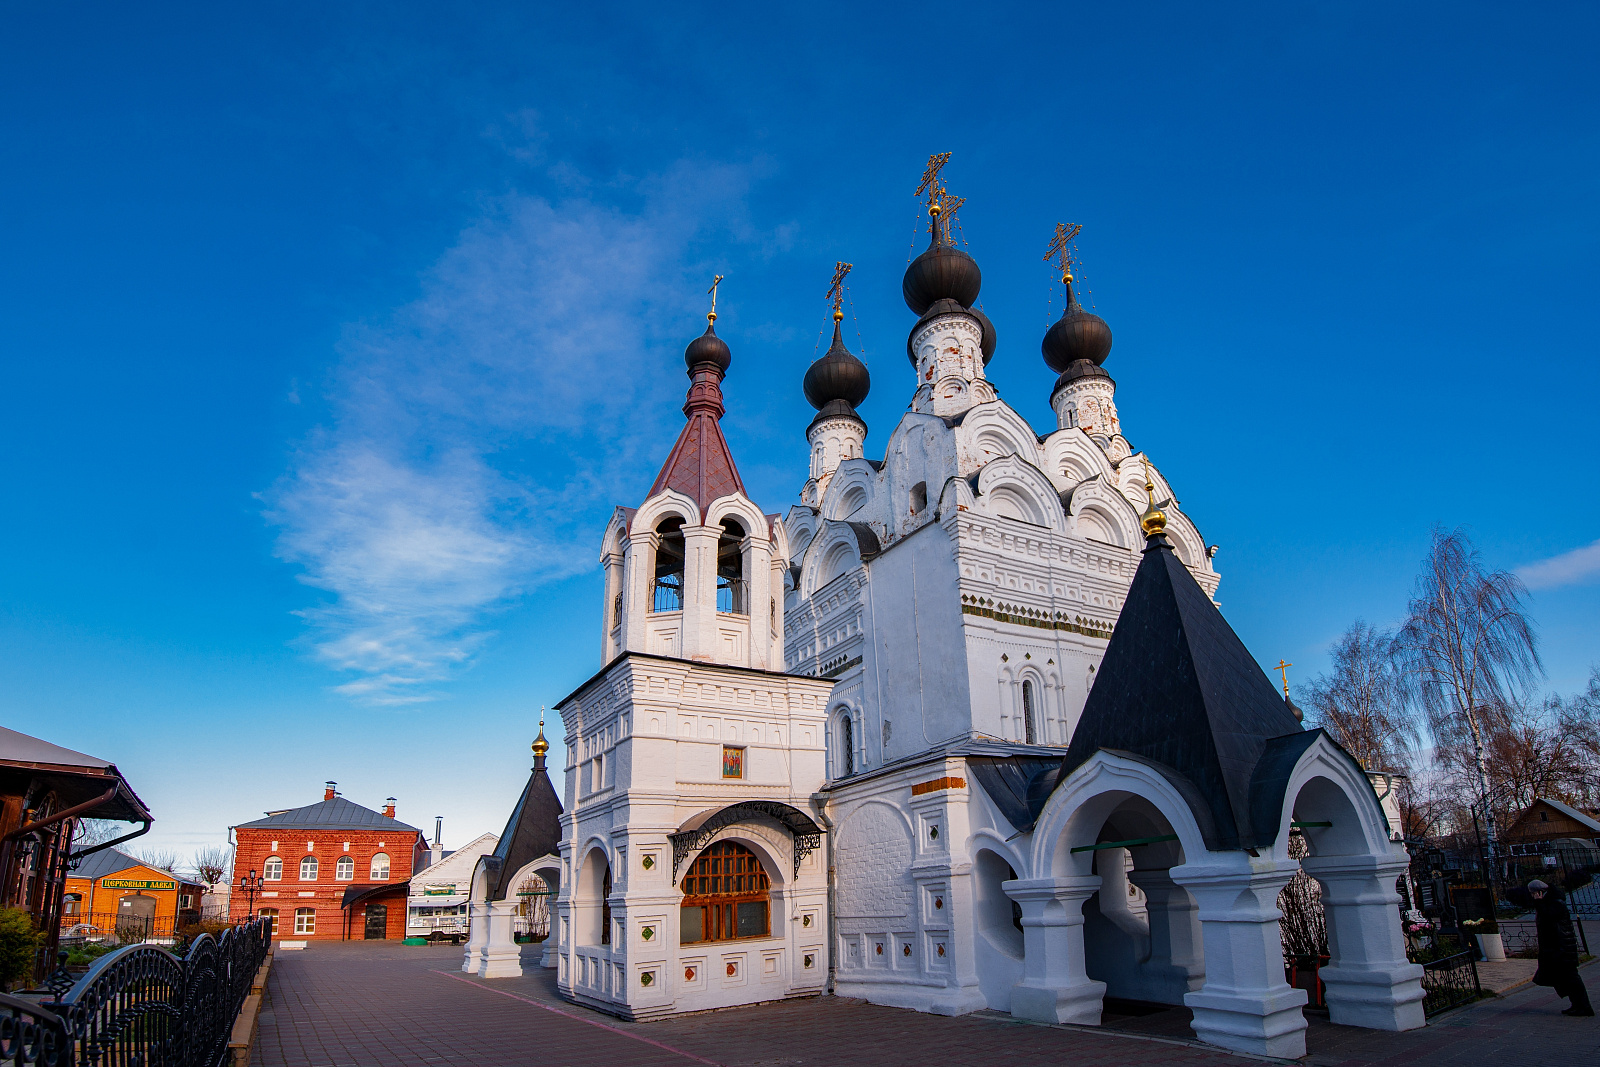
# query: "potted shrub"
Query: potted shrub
1487,932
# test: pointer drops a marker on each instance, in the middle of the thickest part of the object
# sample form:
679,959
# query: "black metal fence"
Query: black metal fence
1520,937
1449,982
140,1006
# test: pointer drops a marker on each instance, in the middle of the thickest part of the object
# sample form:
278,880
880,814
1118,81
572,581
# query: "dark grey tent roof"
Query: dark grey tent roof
1006,780
1179,689
533,830
335,814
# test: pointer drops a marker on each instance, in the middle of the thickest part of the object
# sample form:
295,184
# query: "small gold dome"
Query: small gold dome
540,745
1154,520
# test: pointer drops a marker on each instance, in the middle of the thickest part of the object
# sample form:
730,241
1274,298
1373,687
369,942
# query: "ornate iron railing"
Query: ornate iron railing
1449,982
140,1006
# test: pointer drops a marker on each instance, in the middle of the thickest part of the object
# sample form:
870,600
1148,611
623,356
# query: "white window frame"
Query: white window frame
272,869
344,870
305,920
388,866
310,861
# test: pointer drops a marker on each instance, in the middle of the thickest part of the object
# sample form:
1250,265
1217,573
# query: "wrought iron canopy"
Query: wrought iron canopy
699,831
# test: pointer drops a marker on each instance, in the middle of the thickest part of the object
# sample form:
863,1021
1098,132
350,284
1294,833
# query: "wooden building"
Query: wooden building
113,894
45,790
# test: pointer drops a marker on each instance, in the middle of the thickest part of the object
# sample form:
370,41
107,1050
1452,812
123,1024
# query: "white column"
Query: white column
1369,980
1055,986
699,641
754,554
774,630
1245,1003
1176,966
609,644
639,588
477,936
502,956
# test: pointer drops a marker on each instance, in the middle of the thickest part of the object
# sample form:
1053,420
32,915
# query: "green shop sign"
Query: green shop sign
438,890
135,883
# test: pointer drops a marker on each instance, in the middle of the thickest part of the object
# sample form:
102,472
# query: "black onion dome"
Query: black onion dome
1080,368
1077,335
708,348
941,273
950,307
838,375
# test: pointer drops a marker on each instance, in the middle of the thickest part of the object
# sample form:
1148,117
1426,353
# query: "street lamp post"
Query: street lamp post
250,884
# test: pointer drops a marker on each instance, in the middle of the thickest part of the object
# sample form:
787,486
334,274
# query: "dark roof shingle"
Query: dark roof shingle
335,814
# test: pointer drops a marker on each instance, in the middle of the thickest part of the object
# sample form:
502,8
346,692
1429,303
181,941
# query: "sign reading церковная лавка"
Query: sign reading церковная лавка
136,883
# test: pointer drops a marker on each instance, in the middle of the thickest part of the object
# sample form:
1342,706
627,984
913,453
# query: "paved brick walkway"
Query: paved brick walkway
380,1003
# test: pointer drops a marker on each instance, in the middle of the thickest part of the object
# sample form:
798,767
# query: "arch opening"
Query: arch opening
998,923
667,586
592,901
732,589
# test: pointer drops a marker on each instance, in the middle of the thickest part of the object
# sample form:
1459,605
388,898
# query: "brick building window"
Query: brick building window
308,869
305,920
724,896
271,913
272,870
71,903
345,869
380,867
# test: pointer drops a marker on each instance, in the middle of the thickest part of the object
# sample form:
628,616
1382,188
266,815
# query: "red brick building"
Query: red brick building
330,871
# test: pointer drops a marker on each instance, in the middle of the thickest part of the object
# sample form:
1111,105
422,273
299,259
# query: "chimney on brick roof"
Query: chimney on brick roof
329,792
388,807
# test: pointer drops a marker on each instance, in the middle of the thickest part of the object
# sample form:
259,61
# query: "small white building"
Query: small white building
437,904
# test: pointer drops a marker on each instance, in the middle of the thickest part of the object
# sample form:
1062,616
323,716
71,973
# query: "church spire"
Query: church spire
700,465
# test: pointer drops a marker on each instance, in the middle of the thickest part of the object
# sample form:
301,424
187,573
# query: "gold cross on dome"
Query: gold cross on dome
836,288
930,175
713,291
1059,245
1283,670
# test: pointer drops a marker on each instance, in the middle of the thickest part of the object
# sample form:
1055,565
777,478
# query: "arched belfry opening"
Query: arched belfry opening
733,590
1162,846
666,591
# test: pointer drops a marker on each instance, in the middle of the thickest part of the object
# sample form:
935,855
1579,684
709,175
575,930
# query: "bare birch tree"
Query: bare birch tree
1469,650
210,866
1362,701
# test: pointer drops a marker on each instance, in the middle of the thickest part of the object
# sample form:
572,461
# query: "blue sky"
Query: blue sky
331,336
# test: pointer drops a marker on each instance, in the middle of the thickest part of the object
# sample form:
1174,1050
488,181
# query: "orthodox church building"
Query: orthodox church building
964,729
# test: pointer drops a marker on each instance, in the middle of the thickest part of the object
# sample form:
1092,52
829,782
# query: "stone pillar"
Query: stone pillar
774,630
477,936
754,555
610,625
1176,965
638,589
1055,986
1369,980
502,956
1245,1003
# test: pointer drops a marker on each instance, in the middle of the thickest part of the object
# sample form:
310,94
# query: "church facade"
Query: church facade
878,748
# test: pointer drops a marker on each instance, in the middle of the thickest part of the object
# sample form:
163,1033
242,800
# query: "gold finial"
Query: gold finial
1060,249
540,745
841,270
1154,520
711,316
1283,669
930,180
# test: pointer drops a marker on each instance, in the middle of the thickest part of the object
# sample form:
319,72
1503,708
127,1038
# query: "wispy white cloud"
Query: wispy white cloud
1577,567
472,444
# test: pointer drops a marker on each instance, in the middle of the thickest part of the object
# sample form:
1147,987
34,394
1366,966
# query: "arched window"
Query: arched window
71,903
847,747
732,594
305,920
272,870
616,611
919,498
345,869
308,869
1028,732
668,592
380,867
270,913
724,896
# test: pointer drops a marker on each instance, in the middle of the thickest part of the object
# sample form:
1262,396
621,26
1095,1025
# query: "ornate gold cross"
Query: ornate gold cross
1283,670
930,175
1059,247
836,288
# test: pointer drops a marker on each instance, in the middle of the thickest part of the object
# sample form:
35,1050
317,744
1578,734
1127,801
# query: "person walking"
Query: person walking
1558,943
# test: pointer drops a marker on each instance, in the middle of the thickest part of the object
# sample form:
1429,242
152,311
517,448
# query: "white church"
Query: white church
964,729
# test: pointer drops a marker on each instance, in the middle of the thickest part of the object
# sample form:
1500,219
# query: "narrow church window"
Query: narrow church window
724,896
732,595
616,611
919,498
605,909
847,748
668,591
1027,713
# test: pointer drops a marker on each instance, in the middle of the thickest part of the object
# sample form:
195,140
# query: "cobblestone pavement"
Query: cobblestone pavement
380,1003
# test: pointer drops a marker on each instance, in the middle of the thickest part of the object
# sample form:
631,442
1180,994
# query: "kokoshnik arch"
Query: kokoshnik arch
962,730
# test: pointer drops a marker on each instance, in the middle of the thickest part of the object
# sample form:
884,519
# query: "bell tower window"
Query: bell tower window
732,590
847,747
667,594
1028,731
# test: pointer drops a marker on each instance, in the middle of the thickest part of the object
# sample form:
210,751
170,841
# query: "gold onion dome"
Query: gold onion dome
1154,520
540,745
